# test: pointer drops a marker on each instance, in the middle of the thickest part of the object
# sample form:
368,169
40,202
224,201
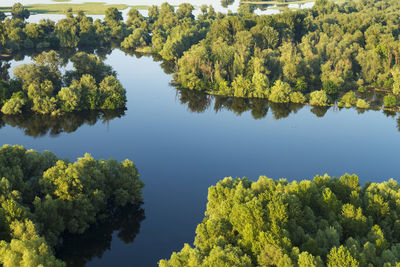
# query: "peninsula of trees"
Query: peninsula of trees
323,222
330,54
43,198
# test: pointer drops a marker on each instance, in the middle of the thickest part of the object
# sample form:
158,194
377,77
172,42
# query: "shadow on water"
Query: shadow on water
199,102
78,249
37,125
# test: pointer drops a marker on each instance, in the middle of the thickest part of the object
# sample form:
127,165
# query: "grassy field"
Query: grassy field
277,2
89,8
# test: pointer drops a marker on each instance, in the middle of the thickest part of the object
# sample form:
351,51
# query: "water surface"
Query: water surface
223,6
182,143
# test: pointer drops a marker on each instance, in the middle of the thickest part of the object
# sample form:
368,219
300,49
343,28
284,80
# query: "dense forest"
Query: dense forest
345,54
323,222
45,200
330,54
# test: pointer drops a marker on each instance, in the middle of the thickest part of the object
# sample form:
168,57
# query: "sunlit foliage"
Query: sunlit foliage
43,197
323,222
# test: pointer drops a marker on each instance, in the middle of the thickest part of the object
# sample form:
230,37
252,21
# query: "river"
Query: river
182,143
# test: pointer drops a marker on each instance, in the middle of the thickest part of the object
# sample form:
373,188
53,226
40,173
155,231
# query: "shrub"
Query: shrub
297,97
319,98
349,99
361,103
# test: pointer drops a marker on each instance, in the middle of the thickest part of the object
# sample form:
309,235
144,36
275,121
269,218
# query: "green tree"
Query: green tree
389,101
18,11
341,257
280,92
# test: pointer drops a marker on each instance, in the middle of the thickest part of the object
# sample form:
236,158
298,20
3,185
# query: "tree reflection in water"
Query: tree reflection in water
78,249
37,125
199,102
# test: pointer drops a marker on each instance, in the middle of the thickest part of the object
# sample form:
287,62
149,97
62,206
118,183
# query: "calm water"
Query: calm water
181,148
219,5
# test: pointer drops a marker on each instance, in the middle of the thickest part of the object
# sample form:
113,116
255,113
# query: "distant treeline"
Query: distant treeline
324,222
319,56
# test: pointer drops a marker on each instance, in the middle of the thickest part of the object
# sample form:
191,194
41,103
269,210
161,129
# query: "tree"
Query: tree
138,38
18,11
185,11
396,78
242,86
389,101
330,87
280,92
14,105
85,63
70,98
341,257
113,93
67,32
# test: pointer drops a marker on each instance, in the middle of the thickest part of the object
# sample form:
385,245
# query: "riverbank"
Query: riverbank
89,8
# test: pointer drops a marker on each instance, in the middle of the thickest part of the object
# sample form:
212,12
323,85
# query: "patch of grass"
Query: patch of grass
91,8
60,1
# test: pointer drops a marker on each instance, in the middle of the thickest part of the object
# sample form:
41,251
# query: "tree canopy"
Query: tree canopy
328,221
43,197
41,88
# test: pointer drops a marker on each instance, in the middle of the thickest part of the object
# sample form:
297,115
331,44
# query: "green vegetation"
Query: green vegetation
43,197
320,56
361,103
40,87
323,222
318,98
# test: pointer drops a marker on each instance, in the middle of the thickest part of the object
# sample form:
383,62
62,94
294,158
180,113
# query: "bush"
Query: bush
349,99
319,98
297,97
361,103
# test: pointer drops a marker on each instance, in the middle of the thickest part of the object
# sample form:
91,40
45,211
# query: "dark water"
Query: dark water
183,143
